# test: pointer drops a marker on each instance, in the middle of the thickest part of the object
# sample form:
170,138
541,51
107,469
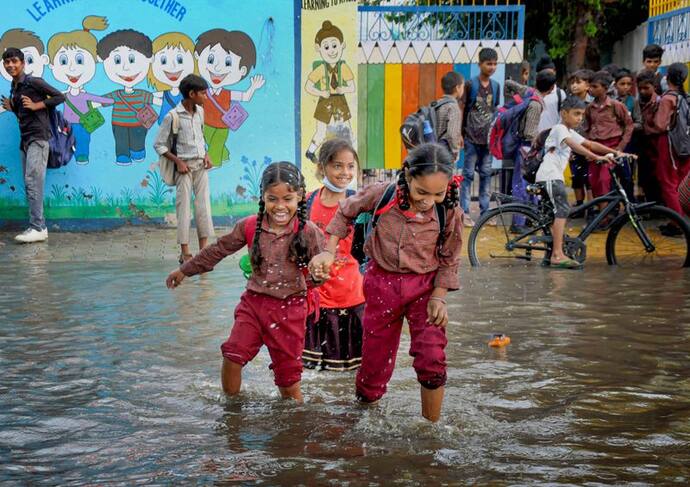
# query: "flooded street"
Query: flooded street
109,377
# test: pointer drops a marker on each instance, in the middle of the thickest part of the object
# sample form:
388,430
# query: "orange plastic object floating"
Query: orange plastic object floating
499,340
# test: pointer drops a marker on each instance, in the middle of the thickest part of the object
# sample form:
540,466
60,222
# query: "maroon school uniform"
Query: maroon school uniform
406,265
273,310
670,169
610,124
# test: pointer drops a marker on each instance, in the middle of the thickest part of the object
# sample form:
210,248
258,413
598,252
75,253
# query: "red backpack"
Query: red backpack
312,292
504,134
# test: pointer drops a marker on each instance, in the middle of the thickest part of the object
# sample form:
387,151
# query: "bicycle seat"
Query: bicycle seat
536,188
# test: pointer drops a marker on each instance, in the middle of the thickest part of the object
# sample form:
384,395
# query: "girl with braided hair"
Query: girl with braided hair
670,168
273,310
414,252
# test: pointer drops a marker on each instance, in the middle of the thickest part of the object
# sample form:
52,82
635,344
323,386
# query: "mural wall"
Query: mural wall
284,75
405,51
120,65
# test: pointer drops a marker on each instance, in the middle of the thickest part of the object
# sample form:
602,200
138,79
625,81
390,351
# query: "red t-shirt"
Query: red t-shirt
344,288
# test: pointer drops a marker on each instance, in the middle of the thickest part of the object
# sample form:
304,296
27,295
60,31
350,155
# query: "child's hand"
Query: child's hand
174,279
6,104
182,167
318,274
320,265
207,162
437,313
28,103
325,94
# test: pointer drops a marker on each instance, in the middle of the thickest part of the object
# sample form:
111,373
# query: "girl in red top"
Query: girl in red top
670,168
334,342
413,265
273,310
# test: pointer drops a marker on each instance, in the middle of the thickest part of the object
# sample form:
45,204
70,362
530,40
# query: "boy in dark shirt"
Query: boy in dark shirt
30,99
480,102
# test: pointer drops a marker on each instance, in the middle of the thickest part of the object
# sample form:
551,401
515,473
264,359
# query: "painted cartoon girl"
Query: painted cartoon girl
73,62
173,59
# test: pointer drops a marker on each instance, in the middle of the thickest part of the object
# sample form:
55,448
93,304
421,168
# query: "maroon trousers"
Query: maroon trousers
599,176
277,323
390,297
670,172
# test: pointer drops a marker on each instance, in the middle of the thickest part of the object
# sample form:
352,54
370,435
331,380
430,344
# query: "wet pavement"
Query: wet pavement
108,377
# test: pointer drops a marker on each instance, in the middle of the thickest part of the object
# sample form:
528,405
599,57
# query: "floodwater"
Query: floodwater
108,377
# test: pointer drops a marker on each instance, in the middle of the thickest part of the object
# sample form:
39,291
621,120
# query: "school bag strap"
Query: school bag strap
559,97
311,197
474,91
388,200
174,130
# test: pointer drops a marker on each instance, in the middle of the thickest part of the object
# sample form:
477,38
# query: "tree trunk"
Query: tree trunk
577,54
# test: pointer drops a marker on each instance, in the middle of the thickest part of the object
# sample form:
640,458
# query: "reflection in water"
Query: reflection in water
107,376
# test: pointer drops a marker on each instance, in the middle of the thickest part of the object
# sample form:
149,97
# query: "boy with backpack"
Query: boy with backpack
180,140
449,116
561,140
30,99
482,97
607,122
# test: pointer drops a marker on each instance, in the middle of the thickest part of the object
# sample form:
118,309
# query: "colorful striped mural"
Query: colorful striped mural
397,77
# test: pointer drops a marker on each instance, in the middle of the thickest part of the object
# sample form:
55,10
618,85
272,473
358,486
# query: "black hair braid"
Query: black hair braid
256,257
403,192
452,198
298,248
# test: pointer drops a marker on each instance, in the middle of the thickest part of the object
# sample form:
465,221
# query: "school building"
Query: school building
283,76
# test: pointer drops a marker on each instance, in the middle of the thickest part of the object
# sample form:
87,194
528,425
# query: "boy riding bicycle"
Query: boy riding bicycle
559,143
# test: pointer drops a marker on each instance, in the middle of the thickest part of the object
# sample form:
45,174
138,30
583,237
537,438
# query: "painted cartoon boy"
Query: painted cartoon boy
35,58
126,56
330,80
224,58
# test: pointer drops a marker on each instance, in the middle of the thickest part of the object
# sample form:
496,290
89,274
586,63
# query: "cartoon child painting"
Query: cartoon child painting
225,58
35,58
73,62
126,56
329,80
173,59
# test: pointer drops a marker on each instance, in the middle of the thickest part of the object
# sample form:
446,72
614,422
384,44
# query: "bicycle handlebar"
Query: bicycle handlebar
620,160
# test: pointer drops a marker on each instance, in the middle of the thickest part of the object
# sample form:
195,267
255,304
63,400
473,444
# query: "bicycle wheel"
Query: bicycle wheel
509,235
625,248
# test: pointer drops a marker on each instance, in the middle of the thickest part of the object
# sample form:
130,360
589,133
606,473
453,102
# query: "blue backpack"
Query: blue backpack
474,90
504,134
61,140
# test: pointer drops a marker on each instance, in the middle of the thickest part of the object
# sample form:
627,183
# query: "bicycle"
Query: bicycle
642,234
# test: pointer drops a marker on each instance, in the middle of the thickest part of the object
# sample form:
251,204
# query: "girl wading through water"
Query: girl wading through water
273,310
415,252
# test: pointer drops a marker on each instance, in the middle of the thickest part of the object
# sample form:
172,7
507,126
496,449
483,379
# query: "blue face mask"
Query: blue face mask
332,187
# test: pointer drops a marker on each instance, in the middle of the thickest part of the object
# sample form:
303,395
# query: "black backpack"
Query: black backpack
412,129
534,158
679,133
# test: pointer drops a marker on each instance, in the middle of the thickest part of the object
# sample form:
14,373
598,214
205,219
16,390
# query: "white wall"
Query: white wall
627,53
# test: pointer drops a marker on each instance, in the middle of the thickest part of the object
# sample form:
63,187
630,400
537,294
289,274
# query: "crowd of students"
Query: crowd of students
607,113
